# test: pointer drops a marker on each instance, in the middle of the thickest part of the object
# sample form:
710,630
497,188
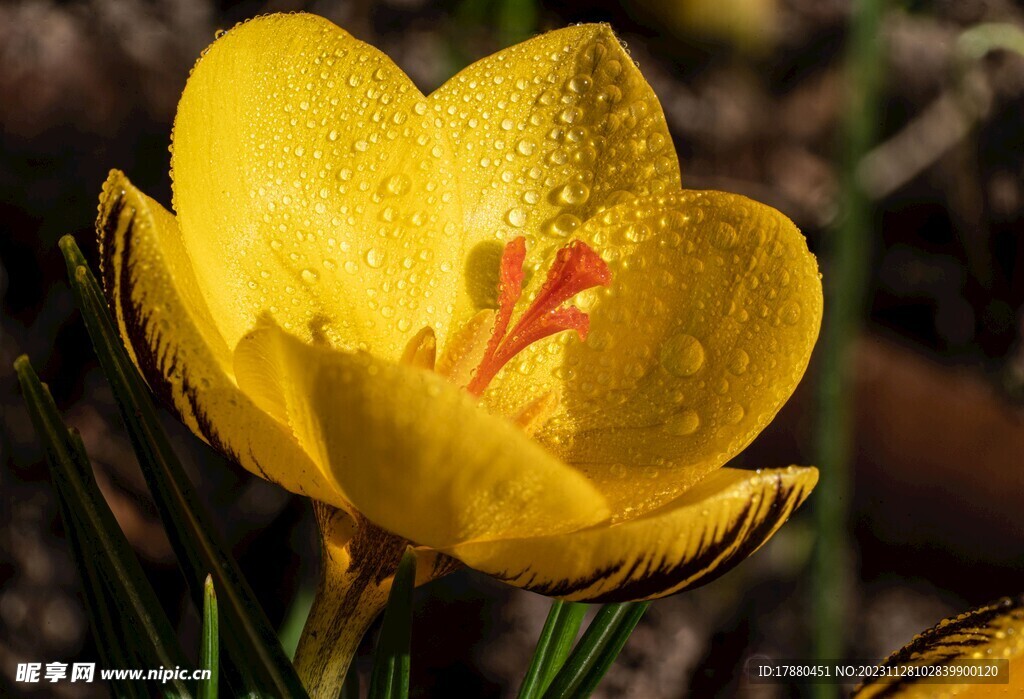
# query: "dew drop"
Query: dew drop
396,185
580,83
724,236
374,258
562,226
686,423
573,194
682,355
790,313
516,217
310,276
738,362
733,414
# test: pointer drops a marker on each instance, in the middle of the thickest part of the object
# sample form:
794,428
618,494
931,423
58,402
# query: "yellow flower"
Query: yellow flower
364,296
986,638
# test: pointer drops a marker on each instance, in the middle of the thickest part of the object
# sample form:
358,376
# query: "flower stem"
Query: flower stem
845,301
359,563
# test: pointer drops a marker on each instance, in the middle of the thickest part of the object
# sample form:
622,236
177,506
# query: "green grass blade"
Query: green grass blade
611,649
517,21
256,660
209,651
553,646
144,625
294,620
390,676
589,651
847,260
105,623
569,626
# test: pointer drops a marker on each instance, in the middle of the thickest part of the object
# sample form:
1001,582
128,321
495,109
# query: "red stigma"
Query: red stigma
576,268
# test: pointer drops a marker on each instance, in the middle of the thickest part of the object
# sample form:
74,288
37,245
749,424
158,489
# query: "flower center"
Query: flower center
577,267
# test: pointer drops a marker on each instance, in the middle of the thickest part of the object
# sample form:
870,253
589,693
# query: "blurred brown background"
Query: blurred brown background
753,91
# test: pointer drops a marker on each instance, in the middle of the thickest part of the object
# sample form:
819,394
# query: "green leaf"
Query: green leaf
390,676
209,651
138,621
596,651
611,649
553,646
103,620
256,660
295,619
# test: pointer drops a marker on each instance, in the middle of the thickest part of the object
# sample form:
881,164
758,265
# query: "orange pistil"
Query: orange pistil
576,268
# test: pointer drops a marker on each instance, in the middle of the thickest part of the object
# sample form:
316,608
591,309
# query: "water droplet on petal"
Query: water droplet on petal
526,147
573,194
682,355
374,258
733,414
686,423
738,362
790,313
516,217
562,226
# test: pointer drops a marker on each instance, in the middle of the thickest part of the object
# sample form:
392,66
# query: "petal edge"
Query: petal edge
688,542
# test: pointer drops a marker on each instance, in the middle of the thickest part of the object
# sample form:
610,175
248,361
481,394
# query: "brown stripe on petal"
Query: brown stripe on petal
106,224
750,529
559,588
951,640
150,350
443,565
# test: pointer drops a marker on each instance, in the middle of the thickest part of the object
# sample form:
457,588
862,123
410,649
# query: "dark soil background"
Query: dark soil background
939,372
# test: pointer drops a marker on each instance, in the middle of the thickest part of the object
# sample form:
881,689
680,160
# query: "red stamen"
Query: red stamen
576,268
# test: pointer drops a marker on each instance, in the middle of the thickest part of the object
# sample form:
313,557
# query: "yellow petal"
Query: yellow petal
688,542
415,454
310,183
705,331
313,180
170,335
544,134
989,633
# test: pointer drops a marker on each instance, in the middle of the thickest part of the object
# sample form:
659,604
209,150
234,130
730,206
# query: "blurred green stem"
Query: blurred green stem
517,21
848,256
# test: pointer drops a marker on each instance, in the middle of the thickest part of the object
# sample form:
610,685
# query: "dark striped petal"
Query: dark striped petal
173,338
688,542
991,632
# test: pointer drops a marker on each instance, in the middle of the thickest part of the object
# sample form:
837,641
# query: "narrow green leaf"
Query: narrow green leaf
390,676
113,646
553,646
209,652
295,620
590,652
143,621
568,628
255,660
611,649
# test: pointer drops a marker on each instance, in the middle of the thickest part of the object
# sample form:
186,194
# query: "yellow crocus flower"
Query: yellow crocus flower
972,642
379,299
